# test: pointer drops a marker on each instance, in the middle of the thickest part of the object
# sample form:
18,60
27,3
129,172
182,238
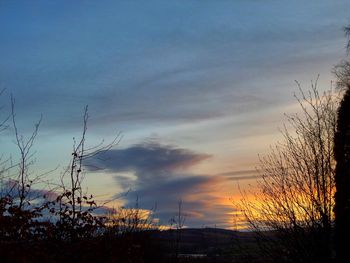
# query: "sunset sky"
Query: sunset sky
197,88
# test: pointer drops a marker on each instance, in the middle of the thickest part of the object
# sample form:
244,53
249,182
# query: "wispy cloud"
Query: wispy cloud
125,58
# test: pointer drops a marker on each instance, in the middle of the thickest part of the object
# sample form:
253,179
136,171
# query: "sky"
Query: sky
196,88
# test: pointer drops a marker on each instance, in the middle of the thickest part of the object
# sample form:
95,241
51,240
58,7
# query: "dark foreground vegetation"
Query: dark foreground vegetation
197,245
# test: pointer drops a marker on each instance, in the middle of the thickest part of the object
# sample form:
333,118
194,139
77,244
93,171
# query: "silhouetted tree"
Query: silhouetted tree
292,212
20,210
342,156
75,208
3,126
177,222
23,180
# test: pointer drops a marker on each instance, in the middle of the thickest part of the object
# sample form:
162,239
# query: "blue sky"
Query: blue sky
198,88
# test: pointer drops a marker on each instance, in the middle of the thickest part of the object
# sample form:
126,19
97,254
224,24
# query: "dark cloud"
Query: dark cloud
159,178
147,161
12,188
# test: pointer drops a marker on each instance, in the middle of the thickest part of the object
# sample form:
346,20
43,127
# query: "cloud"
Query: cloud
240,175
158,176
12,188
124,59
147,160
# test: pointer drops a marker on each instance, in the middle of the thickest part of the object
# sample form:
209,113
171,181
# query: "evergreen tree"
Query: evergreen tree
342,156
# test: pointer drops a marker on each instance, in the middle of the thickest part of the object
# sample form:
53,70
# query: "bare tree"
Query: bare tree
178,222
20,207
3,161
293,209
125,221
24,182
76,206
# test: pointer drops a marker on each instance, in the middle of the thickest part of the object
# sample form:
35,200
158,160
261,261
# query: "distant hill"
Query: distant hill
204,242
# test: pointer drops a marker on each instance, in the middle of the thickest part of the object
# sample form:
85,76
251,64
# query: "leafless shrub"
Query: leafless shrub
292,212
